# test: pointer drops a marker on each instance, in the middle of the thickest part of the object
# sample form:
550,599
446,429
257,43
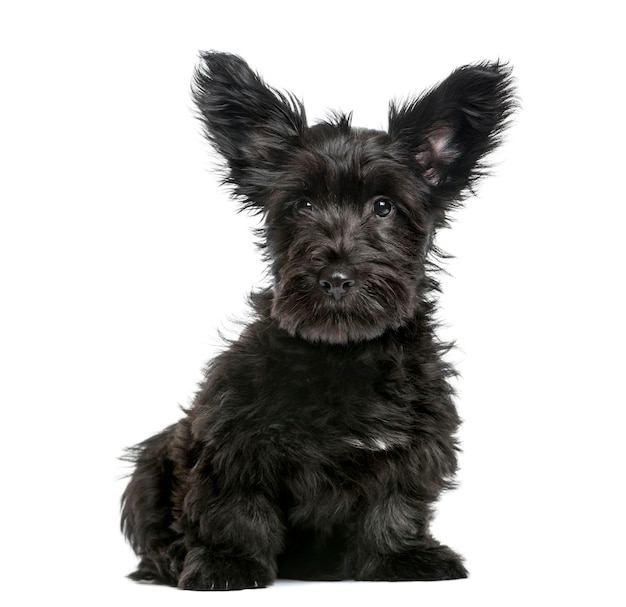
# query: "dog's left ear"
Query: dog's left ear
449,130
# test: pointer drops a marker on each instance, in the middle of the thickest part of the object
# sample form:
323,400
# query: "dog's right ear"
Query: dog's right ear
250,124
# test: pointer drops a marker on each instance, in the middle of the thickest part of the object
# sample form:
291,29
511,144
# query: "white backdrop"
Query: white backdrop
121,258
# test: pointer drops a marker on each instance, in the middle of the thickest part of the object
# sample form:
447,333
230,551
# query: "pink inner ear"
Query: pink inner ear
439,139
436,152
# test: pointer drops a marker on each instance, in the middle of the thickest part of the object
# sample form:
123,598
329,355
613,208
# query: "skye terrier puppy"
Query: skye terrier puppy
319,441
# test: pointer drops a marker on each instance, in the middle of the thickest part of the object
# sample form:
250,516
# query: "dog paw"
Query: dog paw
423,564
204,570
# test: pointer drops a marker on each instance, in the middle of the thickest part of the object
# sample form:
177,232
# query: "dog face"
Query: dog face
346,230
349,214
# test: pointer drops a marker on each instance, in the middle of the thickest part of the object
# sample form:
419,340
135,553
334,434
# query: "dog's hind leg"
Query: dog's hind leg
147,510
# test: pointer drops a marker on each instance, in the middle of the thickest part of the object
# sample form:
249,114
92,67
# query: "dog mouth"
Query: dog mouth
340,309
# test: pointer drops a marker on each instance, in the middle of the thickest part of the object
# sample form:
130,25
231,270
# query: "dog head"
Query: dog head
349,213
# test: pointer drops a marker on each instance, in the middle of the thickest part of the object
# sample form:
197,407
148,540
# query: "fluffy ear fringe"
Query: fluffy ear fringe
248,122
450,129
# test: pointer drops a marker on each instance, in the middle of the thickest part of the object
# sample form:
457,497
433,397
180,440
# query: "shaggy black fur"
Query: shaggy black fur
320,439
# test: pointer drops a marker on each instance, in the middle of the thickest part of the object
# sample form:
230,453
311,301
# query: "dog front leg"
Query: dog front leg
394,543
233,534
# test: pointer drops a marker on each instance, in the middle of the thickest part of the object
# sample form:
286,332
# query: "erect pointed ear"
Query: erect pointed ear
449,129
249,123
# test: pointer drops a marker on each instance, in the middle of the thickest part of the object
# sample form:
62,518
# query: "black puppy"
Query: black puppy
320,439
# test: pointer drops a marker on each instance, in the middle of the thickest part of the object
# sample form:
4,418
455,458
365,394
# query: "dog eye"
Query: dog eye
303,206
382,207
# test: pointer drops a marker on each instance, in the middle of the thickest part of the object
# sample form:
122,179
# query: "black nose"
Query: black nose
336,282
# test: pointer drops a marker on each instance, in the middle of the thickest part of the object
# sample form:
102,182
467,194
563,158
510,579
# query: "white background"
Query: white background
121,258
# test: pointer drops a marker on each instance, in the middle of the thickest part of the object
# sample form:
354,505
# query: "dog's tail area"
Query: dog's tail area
146,515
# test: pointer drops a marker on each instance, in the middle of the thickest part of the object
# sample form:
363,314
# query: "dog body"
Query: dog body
319,441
